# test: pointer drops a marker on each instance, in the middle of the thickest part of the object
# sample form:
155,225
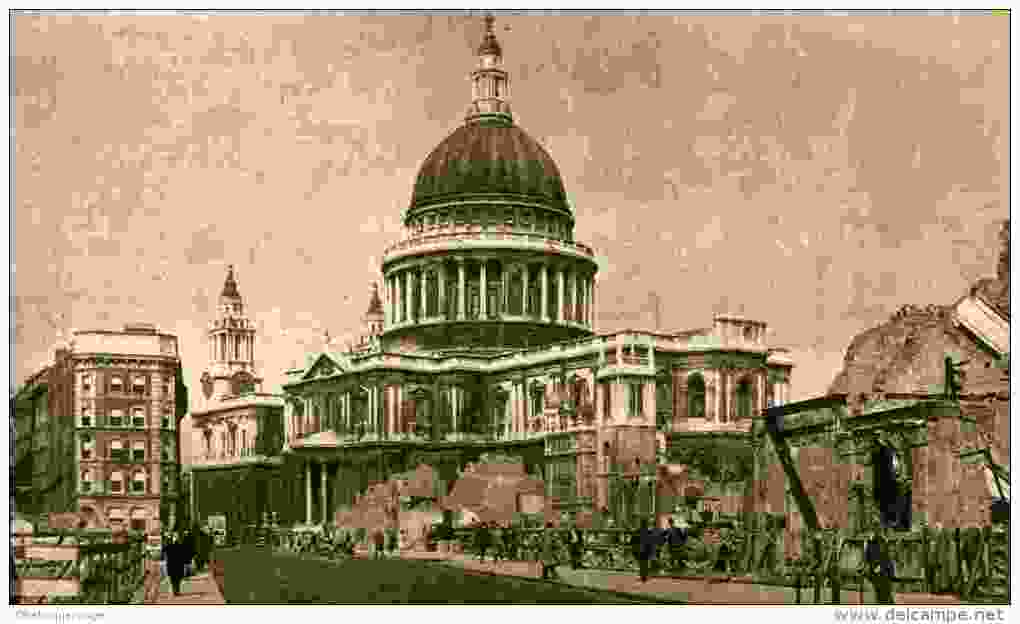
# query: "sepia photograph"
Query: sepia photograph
494,307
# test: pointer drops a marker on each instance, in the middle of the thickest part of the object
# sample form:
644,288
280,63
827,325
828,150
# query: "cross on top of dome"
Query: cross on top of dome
230,285
490,45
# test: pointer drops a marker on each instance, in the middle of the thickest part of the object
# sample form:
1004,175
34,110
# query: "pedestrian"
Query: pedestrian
643,543
175,559
378,538
482,537
880,567
676,538
576,538
548,552
508,542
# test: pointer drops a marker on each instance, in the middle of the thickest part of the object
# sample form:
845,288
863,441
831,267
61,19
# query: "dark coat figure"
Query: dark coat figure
676,539
483,540
188,545
880,568
576,542
643,543
175,560
379,539
509,544
549,548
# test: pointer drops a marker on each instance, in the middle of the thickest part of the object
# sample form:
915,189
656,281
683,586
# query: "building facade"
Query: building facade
236,432
103,423
487,345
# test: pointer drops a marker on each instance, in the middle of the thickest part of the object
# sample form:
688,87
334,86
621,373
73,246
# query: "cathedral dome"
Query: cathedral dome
489,157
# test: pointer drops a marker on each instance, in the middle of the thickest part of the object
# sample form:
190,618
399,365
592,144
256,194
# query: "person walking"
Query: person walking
576,547
509,552
548,552
482,537
880,567
175,559
378,538
643,544
676,538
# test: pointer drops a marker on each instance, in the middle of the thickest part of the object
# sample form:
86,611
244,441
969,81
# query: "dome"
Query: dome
489,157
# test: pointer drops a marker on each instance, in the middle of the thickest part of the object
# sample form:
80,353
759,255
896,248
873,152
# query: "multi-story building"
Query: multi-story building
487,344
237,430
102,424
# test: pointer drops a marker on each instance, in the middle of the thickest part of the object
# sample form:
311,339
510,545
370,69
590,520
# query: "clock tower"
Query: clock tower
231,340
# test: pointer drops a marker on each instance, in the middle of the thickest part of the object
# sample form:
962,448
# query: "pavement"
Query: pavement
689,590
199,589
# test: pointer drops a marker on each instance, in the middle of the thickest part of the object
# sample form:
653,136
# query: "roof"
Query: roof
489,159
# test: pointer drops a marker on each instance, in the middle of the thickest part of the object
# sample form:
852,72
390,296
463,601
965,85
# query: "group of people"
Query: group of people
184,553
500,539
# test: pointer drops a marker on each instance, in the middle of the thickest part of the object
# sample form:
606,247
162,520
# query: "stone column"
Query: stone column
442,289
594,300
504,290
560,282
409,295
461,290
544,312
423,281
524,293
570,278
308,491
325,500
483,287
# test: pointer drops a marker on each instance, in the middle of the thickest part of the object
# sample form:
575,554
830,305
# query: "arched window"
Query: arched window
88,446
87,477
138,451
138,417
116,482
696,396
117,451
744,398
138,482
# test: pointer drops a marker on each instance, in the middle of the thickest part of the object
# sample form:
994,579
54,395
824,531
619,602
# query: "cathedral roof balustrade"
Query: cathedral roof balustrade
463,238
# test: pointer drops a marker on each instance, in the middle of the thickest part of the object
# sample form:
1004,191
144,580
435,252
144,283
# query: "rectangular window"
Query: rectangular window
115,487
634,403
116,418
138,417
138,455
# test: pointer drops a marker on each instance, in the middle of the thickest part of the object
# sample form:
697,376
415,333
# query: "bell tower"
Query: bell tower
231,339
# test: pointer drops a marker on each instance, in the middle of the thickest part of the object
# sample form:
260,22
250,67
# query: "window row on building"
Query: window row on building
136,417
119,451
122,383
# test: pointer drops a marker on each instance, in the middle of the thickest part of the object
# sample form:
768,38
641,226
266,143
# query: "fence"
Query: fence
88,566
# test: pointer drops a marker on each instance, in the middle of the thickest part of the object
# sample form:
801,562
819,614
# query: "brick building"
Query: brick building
97,430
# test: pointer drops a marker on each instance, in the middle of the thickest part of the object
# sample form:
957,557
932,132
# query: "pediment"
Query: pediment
324,366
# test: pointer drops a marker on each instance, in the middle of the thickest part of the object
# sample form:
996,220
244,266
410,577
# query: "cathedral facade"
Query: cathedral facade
482,341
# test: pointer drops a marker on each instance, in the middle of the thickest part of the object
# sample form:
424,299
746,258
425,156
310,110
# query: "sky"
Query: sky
815,173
